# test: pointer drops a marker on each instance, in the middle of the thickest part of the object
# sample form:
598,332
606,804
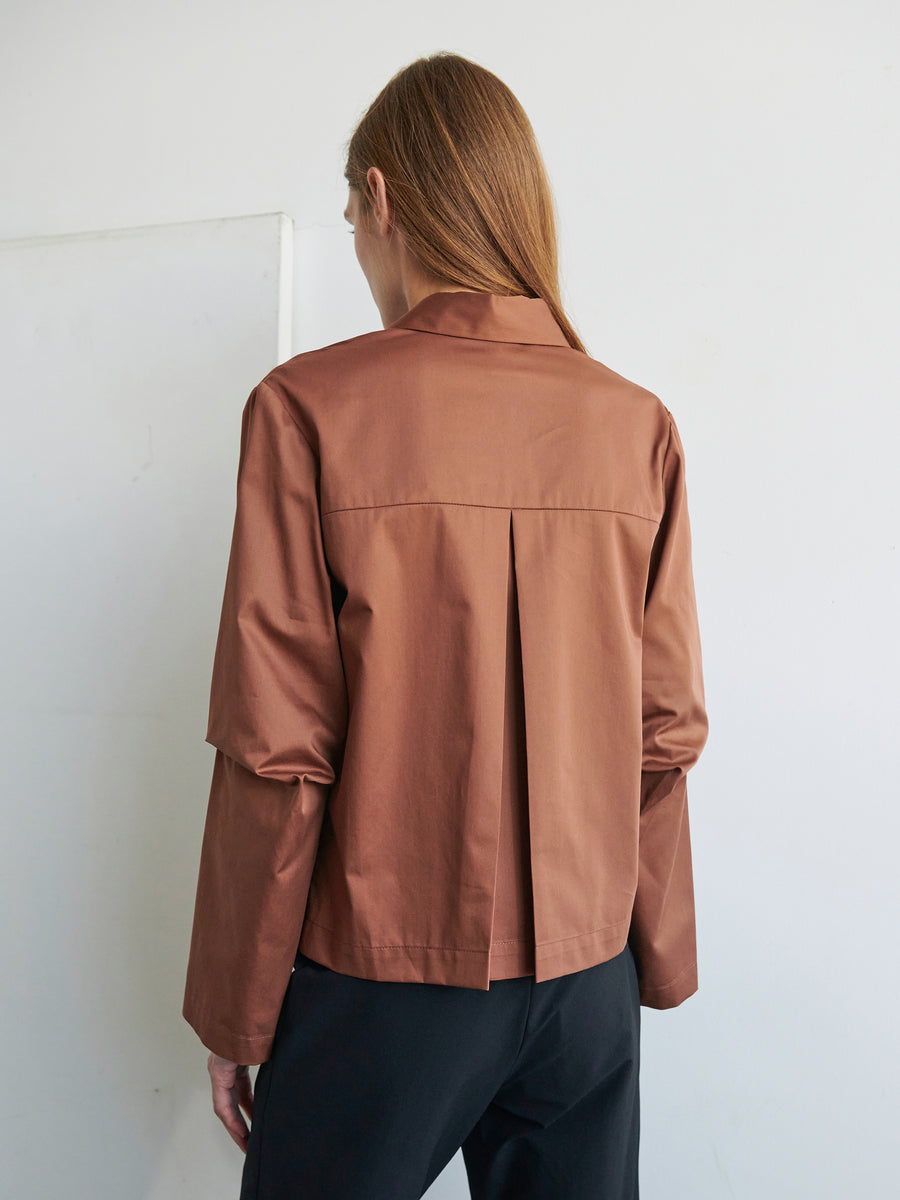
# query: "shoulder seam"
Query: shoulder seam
272,388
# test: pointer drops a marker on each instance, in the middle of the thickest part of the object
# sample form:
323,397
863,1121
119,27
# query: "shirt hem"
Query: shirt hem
456,966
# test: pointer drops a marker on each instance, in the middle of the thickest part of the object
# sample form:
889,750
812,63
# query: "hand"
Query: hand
231,1092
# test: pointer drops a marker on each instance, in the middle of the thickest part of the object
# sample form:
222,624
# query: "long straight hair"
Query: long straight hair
466,178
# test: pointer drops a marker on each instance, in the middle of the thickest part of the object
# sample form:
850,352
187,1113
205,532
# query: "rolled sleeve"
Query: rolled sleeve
277,718
662,935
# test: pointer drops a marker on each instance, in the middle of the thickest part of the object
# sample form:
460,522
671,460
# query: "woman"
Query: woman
456,691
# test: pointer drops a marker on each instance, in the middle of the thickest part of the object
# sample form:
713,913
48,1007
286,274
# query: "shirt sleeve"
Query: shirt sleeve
277,718
675,726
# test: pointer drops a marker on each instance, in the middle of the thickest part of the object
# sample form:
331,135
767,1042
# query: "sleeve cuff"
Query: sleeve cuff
673,993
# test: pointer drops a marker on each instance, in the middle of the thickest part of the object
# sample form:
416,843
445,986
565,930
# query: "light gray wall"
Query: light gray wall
727,183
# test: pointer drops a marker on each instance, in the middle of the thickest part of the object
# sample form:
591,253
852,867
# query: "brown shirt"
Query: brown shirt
457,685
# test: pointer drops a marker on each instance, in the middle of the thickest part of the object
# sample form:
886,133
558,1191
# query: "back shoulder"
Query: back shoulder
336,359
643,405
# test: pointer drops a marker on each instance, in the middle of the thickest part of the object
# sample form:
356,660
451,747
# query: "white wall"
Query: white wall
727,182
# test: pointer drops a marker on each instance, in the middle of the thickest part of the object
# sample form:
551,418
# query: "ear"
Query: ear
383,206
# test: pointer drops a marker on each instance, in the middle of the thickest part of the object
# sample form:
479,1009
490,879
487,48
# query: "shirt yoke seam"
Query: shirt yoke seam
504,507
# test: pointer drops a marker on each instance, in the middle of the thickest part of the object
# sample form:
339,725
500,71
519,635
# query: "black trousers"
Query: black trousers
373,1086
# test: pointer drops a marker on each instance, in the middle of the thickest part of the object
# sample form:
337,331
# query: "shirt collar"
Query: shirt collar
486,316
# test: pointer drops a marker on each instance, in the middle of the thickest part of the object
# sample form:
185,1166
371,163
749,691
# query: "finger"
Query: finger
225,1106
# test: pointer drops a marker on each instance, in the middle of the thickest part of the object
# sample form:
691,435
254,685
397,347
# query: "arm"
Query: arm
277,718
662,934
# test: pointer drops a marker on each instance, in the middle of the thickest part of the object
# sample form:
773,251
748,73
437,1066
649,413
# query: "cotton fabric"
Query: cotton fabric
389,488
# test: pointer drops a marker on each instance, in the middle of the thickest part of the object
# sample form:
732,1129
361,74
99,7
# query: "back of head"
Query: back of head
466,178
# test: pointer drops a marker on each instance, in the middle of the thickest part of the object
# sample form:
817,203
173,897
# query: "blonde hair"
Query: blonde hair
466,178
